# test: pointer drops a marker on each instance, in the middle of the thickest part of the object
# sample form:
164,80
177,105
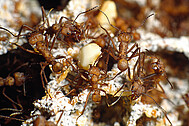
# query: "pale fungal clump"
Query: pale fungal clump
88,55
109,8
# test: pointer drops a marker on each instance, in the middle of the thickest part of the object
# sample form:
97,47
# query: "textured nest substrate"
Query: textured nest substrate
165,35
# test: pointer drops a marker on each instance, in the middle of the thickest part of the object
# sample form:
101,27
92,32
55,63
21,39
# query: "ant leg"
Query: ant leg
169,82
11,99
161,87
141,68
7,117
110,39
73,90
134,53
129,72
60,116
22,27
119,89
46,41
137,62
116,75
18,68
110,52
56,35
84,106
44,16
43,65
109,105
27,50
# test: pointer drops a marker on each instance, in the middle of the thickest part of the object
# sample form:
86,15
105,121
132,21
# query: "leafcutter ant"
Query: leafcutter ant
17,80
140,83
94,80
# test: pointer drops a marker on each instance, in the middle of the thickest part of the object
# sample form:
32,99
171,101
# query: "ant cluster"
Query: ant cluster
90,70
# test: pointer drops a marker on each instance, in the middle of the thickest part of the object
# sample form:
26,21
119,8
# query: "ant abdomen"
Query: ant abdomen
122,64
96,97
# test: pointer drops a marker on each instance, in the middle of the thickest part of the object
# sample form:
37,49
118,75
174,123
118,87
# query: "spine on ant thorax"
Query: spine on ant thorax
123,49
41,47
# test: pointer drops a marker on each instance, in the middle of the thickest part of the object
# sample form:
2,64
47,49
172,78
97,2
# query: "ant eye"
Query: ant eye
68,33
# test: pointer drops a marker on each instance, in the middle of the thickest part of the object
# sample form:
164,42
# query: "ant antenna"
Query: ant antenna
144,21
109,105
44,15
84,12
109,20
164,112
8,31
25,64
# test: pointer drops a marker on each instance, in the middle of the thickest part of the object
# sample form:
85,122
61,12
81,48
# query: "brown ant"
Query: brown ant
159,70
140,83
90,79
69,31
17,80
124,38
37,39
94,78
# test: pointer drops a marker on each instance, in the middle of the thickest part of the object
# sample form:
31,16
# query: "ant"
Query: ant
17,80
94,78
158,70
140,83
90,79
124,38
37,39
69,31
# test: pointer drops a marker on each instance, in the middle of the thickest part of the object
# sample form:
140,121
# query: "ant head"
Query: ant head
55,27
66,31
94,70
124,37
122,64
158,67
